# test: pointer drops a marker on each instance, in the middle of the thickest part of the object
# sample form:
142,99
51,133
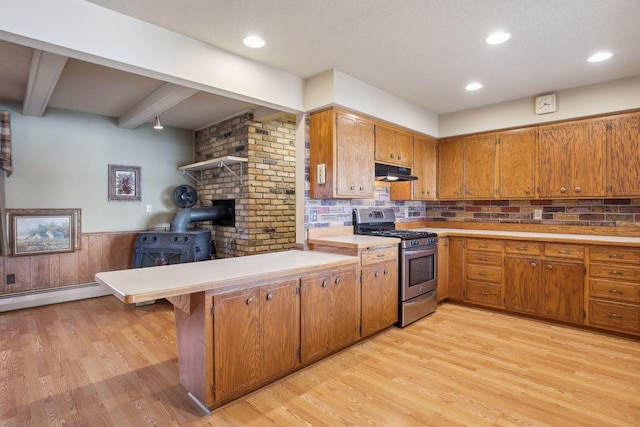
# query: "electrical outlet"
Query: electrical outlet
11,279
149,208
537,214
313,214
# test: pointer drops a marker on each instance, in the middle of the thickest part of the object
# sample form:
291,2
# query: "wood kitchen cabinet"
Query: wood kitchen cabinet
483,271
379,289
442,268
330,318
480,167
543,286
456,269
517,164
572,159
624,156
257,336
451,168
344,144
425,155
393,146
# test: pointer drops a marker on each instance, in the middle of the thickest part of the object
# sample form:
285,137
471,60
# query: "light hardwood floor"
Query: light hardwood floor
99,362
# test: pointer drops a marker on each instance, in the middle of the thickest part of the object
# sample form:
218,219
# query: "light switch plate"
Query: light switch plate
537,214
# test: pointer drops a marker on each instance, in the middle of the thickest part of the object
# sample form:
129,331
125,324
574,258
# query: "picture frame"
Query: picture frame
43,231
124,183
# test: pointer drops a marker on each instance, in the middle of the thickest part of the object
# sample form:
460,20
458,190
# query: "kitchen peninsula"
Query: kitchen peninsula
244,322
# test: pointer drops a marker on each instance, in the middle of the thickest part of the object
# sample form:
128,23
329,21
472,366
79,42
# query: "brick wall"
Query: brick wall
264,197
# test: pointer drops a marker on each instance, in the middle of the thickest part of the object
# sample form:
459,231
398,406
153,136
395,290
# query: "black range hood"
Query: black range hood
388,173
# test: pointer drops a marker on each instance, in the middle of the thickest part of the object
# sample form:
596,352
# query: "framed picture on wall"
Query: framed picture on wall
124,183
43,231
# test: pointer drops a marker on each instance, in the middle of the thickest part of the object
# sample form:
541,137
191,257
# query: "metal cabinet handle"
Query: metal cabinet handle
616,291
563,251
377,274
522,248
386,271
615,255
324,283
470,191
381,255
549,267
616,316
337,280
270,296
578,189
483,259
392,156
483,293
353,187
361,188
250,301
527,191
616,272
563,190
482,273
399,157
534,265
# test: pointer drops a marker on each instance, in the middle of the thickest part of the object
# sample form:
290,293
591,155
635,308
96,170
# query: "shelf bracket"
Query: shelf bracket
222,164
185,172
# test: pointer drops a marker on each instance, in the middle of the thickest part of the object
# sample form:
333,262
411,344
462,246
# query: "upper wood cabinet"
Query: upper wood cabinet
480,167
624,156
393,146
451,168
572,159
425,165
344,144
517,164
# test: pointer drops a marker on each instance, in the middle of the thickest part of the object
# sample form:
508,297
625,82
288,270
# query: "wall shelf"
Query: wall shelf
219,162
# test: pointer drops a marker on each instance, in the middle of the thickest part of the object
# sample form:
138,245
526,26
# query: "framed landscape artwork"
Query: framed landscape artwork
124,183
43,231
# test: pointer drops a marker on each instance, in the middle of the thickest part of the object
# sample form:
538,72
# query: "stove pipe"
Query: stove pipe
183,217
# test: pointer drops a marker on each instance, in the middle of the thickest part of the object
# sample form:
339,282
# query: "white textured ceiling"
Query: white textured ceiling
424,51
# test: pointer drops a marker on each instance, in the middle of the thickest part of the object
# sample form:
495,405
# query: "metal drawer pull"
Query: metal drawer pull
324,283
534,265
578,189
483,259
386,271
337,280
617,273
381,255
377,274
270,296
549,267
482,273
353,187
563,251
522,248
616,316
615,255
563,190
483,293
616,291
250,301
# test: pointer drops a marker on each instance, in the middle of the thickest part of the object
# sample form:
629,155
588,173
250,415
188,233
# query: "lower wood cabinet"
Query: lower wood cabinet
256,335
483,271
379,295
329,314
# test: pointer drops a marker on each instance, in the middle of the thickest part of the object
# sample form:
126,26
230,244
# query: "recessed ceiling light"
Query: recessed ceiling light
498,37
254,41
600,56
473,86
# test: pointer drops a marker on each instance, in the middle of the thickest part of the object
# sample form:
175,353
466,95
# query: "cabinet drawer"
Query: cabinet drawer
608,253
484,258
525,248
371,256
484,293
622,316
484,245
564,251
484,273
613,290
617,272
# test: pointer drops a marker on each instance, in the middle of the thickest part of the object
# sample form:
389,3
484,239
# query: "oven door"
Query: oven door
418,273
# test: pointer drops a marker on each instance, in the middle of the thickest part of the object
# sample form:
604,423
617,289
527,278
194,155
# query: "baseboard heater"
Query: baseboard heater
35,298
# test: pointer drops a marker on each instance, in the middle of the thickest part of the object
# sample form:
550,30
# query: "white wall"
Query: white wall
617,95
61,161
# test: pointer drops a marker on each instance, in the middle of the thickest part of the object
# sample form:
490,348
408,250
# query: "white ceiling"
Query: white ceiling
424,51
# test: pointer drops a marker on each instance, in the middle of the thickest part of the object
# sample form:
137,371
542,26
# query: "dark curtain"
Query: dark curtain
5,163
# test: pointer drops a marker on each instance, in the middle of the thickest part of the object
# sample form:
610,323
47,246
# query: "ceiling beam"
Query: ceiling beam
162,99
43,76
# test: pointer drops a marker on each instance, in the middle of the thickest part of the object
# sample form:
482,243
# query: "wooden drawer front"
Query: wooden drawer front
525,248
484,293
613,290
564,251
618,272
485,274
484,245
484,258
371,256
622,316
623,255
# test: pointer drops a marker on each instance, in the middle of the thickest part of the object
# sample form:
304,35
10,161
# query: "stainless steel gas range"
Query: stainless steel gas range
417,287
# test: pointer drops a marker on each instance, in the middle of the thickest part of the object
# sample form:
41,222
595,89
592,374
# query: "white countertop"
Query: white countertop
221,275
354,241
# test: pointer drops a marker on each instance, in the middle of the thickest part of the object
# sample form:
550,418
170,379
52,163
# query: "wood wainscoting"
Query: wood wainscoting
98,252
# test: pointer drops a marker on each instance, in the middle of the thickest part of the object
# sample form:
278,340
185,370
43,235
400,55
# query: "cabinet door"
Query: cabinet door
451,169
624,156
522,284
404,149
379,296
443,268
563,290
555,161
354,157
480,167
237,336
385,145
424,167
345,316
315,317
589,160
456,264
517,164
280,328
